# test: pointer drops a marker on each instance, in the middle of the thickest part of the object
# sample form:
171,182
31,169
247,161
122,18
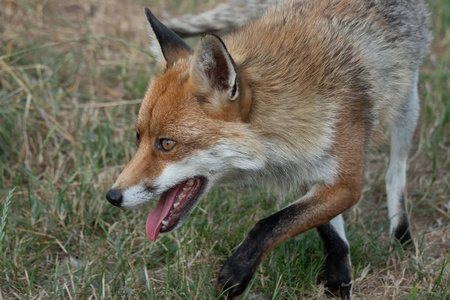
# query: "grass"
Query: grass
71,76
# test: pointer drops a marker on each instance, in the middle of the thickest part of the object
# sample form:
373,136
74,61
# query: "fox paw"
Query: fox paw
233,278
339,289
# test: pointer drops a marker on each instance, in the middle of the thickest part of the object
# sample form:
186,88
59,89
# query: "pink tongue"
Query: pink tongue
154,220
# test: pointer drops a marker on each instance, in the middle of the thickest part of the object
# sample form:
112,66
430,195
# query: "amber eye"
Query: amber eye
166,145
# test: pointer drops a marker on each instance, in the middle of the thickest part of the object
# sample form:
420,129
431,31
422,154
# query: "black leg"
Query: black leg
322,205
401,232
338,264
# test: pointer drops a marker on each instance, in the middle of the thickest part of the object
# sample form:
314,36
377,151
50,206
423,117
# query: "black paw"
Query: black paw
403,236
338,289
339,276
234,278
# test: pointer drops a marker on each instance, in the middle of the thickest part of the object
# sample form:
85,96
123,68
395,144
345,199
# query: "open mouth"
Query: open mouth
172,205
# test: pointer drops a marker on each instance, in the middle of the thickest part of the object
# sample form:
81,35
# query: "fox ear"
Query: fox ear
166,45
213,67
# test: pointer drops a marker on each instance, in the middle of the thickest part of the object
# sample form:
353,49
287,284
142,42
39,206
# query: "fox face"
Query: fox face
191,131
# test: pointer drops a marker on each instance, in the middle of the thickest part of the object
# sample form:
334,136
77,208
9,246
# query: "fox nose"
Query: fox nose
114,197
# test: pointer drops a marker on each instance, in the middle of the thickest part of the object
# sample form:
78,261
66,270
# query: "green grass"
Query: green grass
71,76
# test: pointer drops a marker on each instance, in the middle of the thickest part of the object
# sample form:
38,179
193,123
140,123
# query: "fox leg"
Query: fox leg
338,263
321,204
402,132
318,206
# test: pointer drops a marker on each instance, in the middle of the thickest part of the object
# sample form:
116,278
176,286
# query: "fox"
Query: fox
292,101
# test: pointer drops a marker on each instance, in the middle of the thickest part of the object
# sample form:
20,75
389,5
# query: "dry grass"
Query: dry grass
71,76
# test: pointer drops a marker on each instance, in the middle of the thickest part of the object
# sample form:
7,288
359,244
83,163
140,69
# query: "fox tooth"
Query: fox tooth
190,182
165,223
176,204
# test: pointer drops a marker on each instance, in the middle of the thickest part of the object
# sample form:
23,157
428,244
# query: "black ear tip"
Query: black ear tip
154,22
148,13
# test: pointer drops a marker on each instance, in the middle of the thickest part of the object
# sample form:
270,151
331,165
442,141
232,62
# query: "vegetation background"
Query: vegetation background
72,74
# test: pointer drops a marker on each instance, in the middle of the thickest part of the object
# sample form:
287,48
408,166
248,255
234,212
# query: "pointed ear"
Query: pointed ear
213,67
166,45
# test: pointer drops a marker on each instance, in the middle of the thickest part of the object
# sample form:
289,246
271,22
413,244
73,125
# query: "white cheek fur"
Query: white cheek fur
215,165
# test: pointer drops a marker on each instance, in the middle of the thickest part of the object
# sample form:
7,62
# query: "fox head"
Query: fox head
191,133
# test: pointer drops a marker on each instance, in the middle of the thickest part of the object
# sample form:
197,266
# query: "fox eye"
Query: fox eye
166,144
138,138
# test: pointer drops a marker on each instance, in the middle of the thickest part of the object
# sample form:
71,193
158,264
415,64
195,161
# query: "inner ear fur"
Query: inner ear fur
213,67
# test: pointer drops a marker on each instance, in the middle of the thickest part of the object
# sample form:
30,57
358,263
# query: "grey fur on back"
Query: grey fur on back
410,23
409,20
224,17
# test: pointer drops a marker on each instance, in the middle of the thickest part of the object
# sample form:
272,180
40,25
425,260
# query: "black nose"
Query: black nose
114,197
